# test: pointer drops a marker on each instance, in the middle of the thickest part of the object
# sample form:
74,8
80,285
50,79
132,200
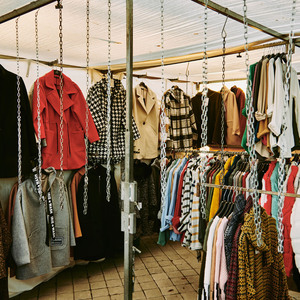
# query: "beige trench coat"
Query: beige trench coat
145,110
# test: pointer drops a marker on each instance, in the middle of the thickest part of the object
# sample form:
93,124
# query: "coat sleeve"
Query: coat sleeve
20,247
80,111
295,93
42,107
235,115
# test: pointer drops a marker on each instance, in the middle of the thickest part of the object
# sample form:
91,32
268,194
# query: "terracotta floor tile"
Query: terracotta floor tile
173,297
98,285
113,283
189,296
153,293
65,289
148,285
83,295
145,278
68,296
100,292
168,290
138,295
81,287
115,290
185,288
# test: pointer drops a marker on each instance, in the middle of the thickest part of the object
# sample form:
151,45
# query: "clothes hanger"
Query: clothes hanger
142,84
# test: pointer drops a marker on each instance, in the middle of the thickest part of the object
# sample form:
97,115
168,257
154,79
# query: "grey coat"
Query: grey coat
29,230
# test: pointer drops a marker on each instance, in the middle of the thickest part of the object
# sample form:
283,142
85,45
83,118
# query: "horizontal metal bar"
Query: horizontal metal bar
242,189
24,10
239,18
209,151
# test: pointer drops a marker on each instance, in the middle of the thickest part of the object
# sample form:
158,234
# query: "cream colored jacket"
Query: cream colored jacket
145,110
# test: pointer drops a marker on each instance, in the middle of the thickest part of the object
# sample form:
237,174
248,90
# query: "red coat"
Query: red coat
73,125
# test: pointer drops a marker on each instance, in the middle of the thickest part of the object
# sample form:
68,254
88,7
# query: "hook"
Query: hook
223,32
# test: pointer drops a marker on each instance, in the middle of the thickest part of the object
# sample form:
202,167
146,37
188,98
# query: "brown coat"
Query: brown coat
232,118
145,110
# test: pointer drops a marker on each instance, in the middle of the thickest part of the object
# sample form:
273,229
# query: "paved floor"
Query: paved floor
170,272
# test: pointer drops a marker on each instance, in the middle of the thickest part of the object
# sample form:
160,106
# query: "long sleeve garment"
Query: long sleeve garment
145,110
286,221
240,100
213,262
74,122
210,239
170,214
183,128
219,251
33,251
101,226
8,127
97,102
232,118
231,287
252,69
274,185
164,227
261,269
239,206
217,192
214,118
187,198
295,232
267,199
177,212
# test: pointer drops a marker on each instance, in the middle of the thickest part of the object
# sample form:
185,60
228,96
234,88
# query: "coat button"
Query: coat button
144,123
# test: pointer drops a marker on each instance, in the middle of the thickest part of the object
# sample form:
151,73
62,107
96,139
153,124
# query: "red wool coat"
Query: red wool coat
74,115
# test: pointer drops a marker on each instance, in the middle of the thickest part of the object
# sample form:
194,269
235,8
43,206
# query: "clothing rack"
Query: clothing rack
209,151
241,189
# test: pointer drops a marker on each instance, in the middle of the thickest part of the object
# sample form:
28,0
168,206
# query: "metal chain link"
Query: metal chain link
251,137
163,131
224,35
86,178
61,125
204,118
19,107
38,106
282,161
108,133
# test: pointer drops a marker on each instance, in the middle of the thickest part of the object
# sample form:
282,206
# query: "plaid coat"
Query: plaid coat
183,129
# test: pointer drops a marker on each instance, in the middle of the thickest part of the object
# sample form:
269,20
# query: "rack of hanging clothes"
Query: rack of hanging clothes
267,79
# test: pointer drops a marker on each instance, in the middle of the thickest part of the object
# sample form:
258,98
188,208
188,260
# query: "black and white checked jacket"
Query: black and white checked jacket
97,102
183,128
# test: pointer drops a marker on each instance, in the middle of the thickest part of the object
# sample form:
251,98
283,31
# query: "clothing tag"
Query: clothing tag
256,251
112,83
58,241
206,101
51,215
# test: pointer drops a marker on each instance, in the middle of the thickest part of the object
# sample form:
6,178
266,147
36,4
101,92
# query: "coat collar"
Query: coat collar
150,98
53,98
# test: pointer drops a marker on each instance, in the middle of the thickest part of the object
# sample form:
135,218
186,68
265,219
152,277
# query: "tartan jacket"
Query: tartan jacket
183,129
97,102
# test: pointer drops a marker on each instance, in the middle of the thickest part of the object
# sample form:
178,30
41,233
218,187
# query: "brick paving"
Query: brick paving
170,272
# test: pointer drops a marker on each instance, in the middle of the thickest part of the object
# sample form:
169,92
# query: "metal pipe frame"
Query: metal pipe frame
128,216
239,18
24,10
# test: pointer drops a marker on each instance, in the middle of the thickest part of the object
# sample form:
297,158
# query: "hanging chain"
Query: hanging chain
224,35
204,118
86,178
19,107
108,134
163,131
39,171
61,126
282,161
251,137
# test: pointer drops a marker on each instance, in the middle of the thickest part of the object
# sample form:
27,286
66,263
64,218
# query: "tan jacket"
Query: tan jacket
232,118
145,110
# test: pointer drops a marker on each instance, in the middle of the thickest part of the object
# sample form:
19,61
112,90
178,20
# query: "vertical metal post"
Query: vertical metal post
128,216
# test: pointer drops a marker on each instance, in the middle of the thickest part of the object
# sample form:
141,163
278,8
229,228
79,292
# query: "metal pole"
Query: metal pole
233,15
24,10
128,187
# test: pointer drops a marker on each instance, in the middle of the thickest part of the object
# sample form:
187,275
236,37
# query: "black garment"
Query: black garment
239,206
8,127
147,222
101,227
214,117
